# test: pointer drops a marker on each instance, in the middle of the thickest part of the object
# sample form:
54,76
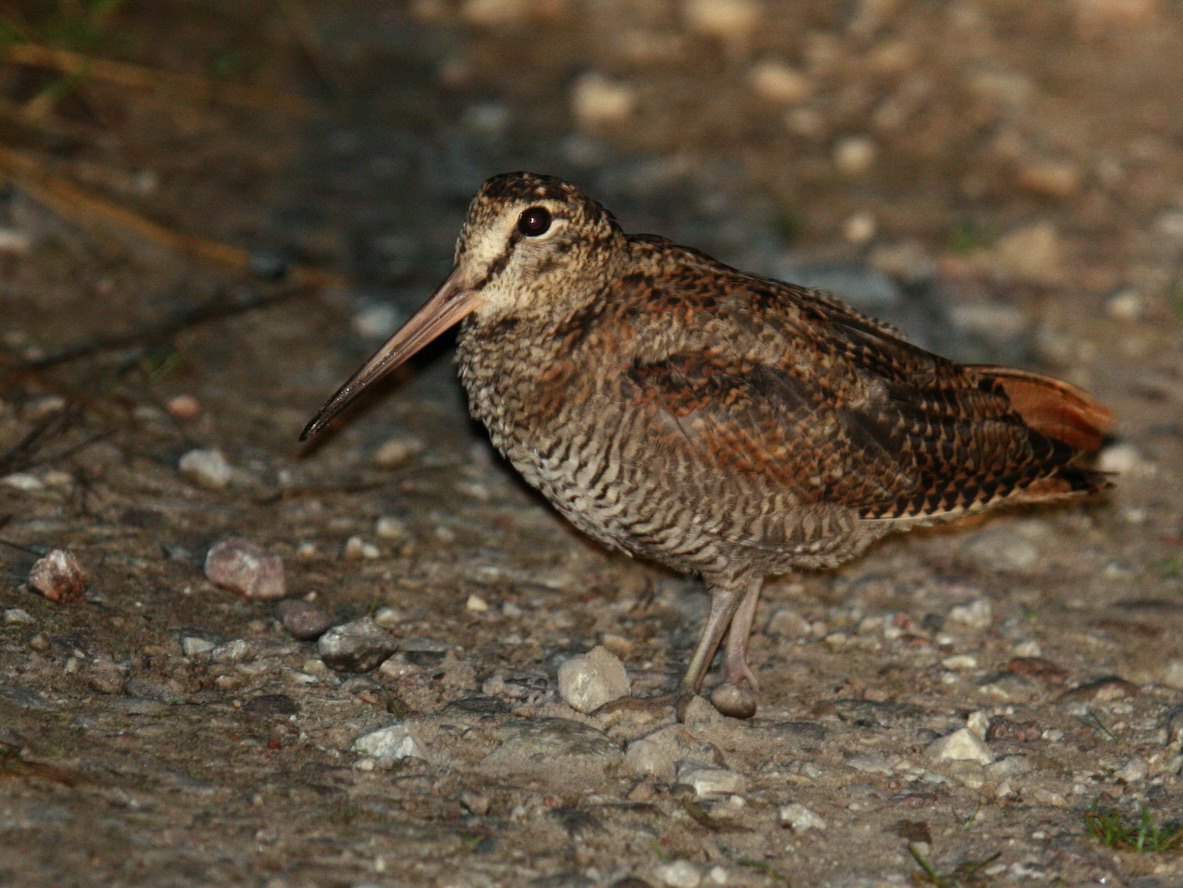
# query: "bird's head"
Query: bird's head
531,244
528,242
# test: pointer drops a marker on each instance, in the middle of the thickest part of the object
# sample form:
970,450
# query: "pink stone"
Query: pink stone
243,566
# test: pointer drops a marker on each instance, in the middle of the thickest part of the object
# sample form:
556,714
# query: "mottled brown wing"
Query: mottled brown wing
748,419
837,409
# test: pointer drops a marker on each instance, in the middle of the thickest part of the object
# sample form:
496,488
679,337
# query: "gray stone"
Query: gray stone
356,647
195,645
870,763
303,619
153,690
656,755
557,749
24,698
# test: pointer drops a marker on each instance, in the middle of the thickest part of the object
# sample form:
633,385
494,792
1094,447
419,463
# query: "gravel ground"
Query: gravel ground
225,659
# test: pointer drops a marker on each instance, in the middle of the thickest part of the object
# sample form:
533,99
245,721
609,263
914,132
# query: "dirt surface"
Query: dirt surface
1003,179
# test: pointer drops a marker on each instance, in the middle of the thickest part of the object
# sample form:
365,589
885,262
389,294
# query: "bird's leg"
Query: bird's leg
732,608
736,599
735,654
727,594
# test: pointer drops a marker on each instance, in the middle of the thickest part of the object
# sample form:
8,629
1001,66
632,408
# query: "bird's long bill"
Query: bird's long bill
448,305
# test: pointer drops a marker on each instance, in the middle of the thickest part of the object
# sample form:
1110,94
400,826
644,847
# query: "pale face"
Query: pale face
520,254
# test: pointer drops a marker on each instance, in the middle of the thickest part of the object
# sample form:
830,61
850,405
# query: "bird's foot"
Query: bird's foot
735,699
736,696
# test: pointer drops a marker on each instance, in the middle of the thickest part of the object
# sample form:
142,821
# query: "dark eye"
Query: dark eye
534,221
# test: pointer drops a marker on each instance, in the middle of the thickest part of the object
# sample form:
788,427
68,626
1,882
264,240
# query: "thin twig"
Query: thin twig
215,309
21,455
69,200
198,89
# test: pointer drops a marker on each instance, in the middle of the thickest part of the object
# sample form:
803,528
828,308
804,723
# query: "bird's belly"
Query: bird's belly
606,471
642,503
619,504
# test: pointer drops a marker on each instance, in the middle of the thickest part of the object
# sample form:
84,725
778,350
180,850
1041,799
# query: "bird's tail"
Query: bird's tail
1062,412
1056,409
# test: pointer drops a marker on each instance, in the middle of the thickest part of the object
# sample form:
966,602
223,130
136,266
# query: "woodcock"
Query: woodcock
719,422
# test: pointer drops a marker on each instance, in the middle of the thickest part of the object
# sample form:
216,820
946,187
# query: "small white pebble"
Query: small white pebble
854,155
593,679
597,100
377,320
706,780
15,616
1123,459
617,644
356,549
397,452
836,640
799,818
388,527
15,242
978,722
1126,305
787,622
1171,674
183,407
678,874
961,745
976,615
194,645
391,743
306,550
23,481
960,662
475,489
777,82
493,13
733,21
40,408
388,616
859,228
206,468
476,603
